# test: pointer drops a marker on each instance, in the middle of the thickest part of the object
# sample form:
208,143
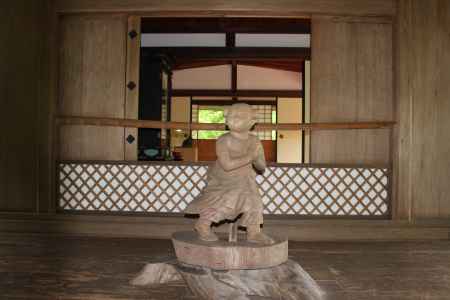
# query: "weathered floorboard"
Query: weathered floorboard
33,267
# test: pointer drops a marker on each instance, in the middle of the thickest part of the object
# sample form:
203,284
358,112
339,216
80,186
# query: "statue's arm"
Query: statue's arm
259,160
228,163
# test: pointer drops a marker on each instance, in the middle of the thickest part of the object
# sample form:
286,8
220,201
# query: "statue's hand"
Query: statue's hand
259,161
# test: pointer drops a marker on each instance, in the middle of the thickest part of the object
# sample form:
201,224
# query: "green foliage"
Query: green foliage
274,121
210,116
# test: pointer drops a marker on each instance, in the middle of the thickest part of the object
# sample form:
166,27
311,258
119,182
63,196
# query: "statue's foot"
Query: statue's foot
205,233
210,237
260,238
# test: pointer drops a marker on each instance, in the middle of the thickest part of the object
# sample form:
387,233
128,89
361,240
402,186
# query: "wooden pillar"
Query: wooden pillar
132,89
423,107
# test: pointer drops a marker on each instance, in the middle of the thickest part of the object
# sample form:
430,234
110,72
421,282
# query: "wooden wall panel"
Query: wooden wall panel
206,150
102,143
234,7
23,77
270,150
423,93
351,70
351,147
92,83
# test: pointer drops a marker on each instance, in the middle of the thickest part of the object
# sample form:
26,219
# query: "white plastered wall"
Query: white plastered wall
257,78
205,78
248,78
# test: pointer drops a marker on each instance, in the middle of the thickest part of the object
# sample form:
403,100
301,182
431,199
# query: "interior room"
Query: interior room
113,119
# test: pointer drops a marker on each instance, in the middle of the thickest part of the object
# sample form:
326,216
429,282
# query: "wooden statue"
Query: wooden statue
231,185
214,268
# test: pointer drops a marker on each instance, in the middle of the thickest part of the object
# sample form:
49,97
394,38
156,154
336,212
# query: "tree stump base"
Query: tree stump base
236,271
287,281
224,255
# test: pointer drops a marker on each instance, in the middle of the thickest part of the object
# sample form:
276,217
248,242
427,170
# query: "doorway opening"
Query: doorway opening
192,69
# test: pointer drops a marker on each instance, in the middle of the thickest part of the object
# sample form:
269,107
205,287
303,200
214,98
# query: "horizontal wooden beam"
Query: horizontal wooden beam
221,102
225,25
231,8
287,65
114,122
231,53
239,93
208,163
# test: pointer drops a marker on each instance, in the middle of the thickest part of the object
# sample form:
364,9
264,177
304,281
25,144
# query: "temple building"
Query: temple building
111,109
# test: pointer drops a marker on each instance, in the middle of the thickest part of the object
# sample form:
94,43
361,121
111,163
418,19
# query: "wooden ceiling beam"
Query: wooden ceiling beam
225,25
238,93
231,8
285,65
227,54
219,102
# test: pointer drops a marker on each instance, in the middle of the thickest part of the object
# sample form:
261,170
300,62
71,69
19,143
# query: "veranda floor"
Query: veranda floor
38,267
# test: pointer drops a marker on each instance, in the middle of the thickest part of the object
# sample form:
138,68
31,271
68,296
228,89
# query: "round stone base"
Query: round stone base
223,255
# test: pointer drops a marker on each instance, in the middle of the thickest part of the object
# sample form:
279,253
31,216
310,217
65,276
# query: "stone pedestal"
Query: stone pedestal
223,255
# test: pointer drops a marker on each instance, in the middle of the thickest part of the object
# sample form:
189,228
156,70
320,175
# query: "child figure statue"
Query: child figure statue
231,185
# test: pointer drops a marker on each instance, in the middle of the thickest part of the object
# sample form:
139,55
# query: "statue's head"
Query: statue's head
240,117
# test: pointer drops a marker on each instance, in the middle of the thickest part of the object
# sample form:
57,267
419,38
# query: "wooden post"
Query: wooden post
132,88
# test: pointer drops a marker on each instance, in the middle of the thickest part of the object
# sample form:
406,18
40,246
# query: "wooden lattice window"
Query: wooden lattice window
264,114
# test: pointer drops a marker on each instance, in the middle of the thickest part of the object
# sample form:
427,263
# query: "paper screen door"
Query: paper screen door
289,142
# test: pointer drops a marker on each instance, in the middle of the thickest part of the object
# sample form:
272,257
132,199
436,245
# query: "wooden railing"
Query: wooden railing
362,191
116,122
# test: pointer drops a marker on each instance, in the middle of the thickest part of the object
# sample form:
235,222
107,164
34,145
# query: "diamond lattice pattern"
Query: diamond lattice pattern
166,188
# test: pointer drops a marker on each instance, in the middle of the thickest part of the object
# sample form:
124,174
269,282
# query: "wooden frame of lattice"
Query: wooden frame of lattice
163,187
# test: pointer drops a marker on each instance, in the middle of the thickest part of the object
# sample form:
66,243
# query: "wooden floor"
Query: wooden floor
36,267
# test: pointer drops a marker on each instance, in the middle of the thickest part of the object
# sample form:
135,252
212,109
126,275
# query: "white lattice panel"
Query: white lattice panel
166,188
